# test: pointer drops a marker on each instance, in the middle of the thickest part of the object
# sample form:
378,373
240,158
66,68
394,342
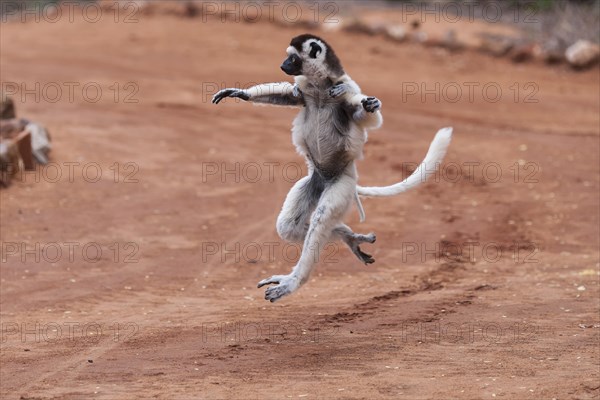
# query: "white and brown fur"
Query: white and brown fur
330,132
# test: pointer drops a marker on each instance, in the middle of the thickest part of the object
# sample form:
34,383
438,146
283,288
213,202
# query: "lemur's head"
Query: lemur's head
312,57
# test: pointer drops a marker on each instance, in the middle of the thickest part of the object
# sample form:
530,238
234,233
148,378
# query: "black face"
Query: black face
292,65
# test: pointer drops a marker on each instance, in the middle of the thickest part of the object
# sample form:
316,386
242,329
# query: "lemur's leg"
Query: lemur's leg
333,204
293,220
353,240
280,93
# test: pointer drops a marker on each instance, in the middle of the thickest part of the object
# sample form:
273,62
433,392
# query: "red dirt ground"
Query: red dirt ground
180,322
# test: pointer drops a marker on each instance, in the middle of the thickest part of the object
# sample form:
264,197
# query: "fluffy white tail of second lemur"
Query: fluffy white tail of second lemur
435,155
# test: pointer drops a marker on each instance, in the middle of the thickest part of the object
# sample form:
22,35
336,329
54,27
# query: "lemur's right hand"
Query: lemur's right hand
371,104
232,92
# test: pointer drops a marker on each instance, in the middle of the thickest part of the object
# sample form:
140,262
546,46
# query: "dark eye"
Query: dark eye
315,49
296,60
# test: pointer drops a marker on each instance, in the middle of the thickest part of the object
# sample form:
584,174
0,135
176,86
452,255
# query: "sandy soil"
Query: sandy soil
483,286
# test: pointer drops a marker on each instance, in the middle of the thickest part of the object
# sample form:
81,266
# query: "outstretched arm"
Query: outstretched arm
280,93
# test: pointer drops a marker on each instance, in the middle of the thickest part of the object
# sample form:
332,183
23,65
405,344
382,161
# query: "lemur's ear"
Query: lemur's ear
315,49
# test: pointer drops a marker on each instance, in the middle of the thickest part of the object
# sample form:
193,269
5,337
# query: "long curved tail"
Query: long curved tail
435,155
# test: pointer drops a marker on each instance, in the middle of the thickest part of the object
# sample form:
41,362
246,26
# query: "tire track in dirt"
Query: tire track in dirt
435,280
69,368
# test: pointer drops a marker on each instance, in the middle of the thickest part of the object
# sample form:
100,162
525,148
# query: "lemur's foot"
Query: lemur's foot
370,238
286,284
221,94
362,256
338,90
354,246
371,104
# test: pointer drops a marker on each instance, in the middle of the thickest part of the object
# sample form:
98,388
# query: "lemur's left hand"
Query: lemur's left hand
232,92
338,89
371,104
